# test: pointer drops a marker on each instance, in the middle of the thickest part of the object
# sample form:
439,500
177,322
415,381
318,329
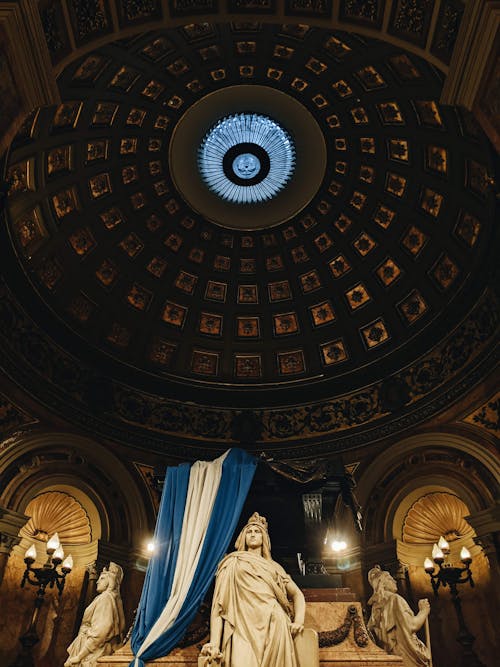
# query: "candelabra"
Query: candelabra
42,577
452,576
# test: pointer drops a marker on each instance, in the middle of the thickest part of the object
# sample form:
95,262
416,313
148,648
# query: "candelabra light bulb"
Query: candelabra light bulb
53,543
58,554
30,554
428,565
67,565
437,554
443,545
465,556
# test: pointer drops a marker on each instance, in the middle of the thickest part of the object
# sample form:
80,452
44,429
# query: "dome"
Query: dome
342,285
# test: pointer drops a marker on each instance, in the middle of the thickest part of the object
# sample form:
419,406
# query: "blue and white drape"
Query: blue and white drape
199,510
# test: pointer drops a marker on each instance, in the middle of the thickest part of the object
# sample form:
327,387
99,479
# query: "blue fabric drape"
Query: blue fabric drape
237,473
161,567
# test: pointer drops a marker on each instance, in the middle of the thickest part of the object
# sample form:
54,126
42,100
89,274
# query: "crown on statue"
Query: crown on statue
257,520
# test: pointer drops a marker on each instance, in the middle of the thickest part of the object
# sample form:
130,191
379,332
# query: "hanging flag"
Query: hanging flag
200,507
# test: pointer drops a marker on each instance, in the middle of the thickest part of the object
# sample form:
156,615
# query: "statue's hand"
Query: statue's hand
296,628
211,651
72,660
424,605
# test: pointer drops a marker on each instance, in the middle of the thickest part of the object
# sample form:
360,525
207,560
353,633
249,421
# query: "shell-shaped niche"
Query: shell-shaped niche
436,514
57,512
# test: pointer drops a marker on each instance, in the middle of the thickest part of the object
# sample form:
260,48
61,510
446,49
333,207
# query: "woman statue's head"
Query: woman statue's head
112,577
381,581
255,534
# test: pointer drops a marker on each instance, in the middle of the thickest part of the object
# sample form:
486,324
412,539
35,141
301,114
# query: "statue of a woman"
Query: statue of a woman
252,621
103,622
393,622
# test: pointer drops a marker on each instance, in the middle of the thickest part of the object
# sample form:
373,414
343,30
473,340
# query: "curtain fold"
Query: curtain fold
199,511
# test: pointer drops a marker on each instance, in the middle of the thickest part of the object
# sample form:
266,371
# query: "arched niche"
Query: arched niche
73,464
45,471
422,464
70,513
451,476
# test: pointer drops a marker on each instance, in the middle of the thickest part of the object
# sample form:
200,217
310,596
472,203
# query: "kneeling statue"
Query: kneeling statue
253,622
393,622
103,622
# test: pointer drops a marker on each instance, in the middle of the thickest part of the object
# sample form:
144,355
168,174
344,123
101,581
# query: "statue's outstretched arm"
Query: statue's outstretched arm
423,611
414,621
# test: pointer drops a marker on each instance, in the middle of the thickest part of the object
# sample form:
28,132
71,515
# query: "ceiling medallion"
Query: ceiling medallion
246,158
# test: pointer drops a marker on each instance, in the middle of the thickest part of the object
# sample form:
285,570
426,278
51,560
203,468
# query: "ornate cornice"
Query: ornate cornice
487,415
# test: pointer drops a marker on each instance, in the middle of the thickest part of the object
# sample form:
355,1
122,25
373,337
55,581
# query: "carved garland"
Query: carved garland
337,636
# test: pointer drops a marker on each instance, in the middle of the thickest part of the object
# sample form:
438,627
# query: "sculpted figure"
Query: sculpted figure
252,623
393,622
103,622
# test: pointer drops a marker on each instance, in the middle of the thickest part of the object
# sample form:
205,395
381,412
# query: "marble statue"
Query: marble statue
103,622
393,623
257,609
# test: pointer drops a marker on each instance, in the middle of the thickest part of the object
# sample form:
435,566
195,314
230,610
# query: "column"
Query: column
487,526
11,523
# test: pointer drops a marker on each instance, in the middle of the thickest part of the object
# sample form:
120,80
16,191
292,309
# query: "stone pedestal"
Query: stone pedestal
327,616
185,657
326,610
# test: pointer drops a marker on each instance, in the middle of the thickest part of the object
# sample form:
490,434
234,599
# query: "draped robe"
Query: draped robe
100,632
393,621
250,596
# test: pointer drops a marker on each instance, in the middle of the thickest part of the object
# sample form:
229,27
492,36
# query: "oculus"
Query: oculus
246,158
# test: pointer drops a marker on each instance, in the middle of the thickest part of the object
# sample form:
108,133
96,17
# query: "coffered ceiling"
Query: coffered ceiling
378,267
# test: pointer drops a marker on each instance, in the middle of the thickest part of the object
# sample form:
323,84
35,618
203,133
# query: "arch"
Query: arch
74,464
418,465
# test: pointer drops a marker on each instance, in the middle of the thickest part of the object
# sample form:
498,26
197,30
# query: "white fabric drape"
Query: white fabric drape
204,480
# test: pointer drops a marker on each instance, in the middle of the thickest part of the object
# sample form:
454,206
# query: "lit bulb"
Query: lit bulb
53,543
30,553
67,563
443,544
58,553
151,547
465,556
428,565
338,545
437,554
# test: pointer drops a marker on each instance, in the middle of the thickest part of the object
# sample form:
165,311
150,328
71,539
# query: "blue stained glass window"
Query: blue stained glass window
246,158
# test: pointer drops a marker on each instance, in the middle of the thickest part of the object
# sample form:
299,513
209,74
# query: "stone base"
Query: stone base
326,615
331,658
320,615
179,657
306,647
